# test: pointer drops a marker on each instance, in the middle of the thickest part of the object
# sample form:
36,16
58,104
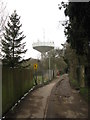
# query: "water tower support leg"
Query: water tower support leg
49,69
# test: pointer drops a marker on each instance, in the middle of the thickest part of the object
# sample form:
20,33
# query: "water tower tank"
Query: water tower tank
43,47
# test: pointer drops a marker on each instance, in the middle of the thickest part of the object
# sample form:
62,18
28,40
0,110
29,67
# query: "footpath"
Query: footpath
34,104
65,102
55,100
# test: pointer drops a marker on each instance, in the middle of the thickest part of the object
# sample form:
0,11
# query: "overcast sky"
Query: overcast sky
39,18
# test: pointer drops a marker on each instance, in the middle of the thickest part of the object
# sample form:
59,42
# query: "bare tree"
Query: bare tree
3,18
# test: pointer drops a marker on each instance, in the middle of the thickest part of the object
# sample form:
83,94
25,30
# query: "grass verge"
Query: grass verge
74,84
85,93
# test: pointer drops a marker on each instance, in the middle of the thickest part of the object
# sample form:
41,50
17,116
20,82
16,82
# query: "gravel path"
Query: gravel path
65,102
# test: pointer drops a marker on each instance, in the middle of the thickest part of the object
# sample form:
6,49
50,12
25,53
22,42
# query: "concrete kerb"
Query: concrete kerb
56,85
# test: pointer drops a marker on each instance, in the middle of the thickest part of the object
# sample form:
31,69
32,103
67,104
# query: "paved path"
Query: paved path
65,102
55,100
35,103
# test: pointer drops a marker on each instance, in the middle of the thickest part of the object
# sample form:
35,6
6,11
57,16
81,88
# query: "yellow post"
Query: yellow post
35,68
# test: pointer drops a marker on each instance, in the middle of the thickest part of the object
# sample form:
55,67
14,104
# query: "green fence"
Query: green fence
14,84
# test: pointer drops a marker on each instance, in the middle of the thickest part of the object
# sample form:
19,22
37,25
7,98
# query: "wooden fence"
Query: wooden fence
15,82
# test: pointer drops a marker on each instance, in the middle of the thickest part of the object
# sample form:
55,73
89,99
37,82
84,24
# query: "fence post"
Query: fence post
35,77
49,68
42,76
0,89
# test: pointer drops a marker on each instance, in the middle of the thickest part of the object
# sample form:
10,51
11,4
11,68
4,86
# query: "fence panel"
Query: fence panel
14,84
44,76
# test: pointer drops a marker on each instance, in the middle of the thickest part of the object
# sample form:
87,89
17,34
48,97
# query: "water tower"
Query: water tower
43,47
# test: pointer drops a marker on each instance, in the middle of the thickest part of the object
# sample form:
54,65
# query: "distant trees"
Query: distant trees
71,59
56,61
12,45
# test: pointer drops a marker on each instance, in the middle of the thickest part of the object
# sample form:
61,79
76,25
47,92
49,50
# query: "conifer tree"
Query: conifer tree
12,45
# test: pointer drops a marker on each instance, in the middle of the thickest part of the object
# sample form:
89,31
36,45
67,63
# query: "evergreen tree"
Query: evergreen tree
12,46
77,30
